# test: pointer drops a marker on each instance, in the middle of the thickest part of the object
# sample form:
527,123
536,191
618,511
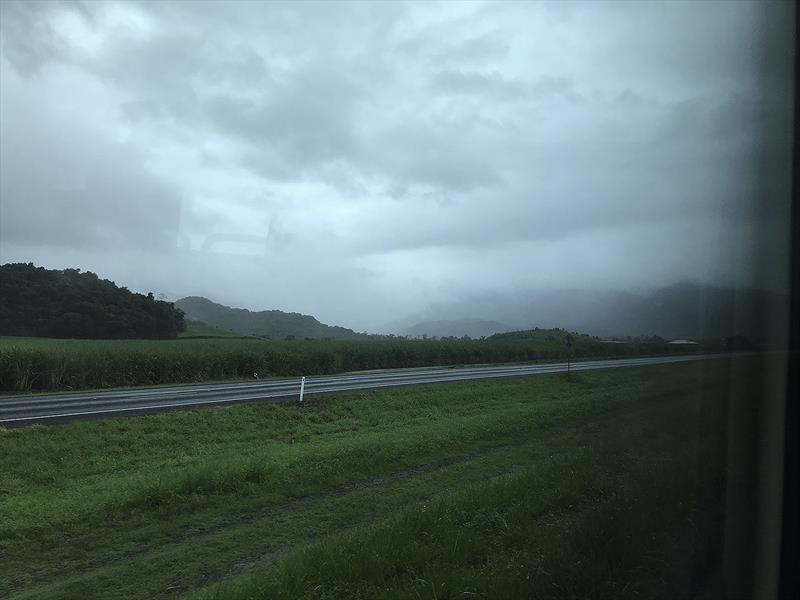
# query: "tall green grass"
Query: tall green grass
269,465
149,507
37,364
604,521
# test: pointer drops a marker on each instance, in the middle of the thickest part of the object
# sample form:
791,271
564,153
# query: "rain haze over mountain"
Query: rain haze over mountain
364,162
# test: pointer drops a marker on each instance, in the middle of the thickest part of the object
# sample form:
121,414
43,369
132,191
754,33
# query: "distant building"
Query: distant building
683,342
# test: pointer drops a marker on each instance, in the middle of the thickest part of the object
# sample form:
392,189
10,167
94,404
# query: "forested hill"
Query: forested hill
274,324
35,301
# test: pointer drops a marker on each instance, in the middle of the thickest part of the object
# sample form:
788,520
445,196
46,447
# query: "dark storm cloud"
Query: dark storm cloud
303,122
165,70
492,84
63,183
549,86
27,40
405,150
496,88
485,47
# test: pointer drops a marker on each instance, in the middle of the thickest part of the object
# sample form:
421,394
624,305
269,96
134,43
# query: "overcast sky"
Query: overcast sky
361,162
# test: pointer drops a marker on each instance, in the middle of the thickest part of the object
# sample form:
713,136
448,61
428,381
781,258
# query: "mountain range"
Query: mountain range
682,310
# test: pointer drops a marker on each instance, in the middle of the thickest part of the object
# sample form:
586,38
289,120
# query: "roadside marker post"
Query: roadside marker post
302,387
568,341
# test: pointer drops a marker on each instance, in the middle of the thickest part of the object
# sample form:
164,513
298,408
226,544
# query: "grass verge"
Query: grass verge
162,505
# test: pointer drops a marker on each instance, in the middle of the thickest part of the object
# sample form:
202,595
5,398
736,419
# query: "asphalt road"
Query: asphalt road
56,408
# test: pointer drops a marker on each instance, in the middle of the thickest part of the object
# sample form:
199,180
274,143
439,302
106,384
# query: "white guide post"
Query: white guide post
302,387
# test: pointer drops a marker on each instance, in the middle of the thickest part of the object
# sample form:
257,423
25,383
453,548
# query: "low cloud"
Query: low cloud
374,158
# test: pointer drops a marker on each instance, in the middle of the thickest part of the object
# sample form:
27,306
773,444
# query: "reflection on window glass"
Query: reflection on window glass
393,299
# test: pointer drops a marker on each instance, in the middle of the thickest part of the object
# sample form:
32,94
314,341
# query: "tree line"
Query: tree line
35,301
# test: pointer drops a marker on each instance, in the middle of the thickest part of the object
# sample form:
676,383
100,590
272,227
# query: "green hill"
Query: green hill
274,324
198,329
40,302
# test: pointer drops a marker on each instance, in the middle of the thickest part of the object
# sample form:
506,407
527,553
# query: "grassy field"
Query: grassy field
41,364
541,487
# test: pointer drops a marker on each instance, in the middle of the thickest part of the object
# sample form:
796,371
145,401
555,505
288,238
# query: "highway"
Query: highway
58,408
